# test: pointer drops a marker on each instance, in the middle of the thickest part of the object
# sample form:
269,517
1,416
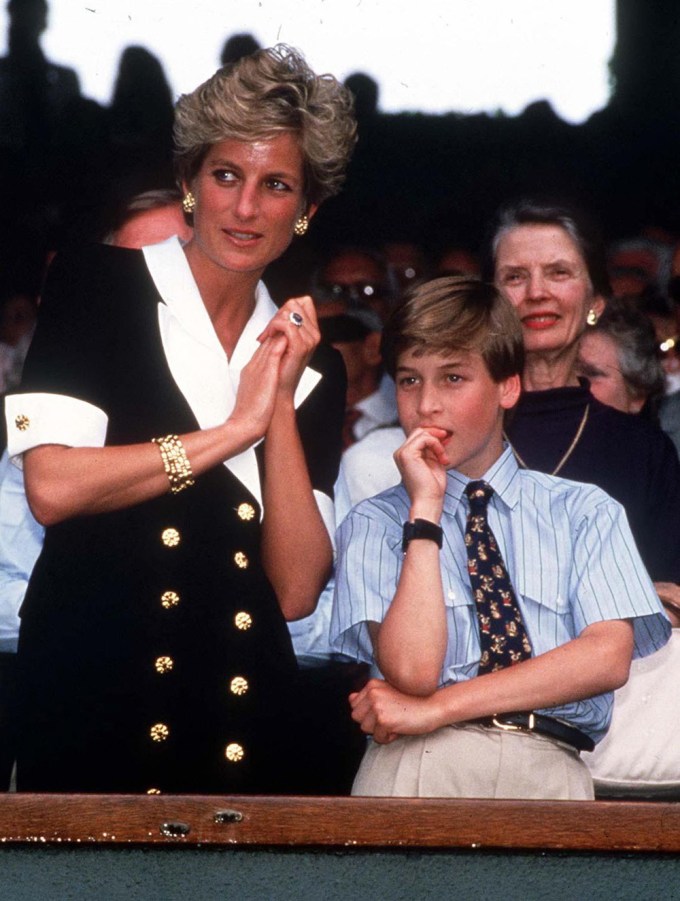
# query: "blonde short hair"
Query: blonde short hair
260,96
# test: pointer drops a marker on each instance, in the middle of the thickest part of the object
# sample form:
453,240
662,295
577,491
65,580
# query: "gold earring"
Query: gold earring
189,202
301,226
591,318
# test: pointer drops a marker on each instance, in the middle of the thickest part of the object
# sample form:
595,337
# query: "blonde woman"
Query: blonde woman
180,438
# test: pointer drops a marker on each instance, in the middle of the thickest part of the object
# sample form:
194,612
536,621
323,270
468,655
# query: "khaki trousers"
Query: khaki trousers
472,761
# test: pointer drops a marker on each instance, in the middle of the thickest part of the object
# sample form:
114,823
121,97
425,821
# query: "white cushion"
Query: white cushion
640,755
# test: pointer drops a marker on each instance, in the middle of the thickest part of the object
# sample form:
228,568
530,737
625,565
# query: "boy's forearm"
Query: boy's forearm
411,642
596,662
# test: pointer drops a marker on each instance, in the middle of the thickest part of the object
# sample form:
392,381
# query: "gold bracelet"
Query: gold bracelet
175,462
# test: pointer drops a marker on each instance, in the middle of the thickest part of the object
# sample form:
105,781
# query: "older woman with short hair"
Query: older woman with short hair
180,439
546,258
619,357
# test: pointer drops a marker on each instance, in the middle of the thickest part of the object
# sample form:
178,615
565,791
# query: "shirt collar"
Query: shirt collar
503,476
175,283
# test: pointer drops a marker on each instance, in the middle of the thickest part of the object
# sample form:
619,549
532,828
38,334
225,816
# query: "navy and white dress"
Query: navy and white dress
153,654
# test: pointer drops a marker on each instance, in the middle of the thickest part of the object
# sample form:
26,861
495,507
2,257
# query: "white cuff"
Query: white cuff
35,419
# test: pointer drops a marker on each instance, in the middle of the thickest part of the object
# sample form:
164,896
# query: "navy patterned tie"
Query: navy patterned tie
502,635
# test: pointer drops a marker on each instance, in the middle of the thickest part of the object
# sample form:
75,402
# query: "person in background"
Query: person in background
172,528
547,260
356,335
407,260
17,322
237,46
618,355
357,279
663,311
637,264
456,260
639,755
353,276
149,218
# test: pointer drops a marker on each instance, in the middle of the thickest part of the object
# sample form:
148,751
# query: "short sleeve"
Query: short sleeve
610,580
366,577
62,397
37,418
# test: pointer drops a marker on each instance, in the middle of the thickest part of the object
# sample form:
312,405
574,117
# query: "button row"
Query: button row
234,752
160,732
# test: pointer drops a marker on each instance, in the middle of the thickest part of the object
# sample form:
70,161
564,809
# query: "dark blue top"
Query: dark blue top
629,458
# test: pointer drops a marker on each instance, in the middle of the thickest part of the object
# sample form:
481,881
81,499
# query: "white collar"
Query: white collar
197,361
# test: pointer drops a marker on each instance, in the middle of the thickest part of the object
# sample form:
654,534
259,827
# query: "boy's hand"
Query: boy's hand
386,713
422,462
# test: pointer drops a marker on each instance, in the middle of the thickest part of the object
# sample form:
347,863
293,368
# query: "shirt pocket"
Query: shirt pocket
463,640
543,595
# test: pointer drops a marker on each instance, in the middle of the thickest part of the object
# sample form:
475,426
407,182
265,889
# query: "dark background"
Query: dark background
68,163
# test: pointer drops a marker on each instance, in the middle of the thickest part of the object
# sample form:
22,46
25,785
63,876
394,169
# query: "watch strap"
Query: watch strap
421,529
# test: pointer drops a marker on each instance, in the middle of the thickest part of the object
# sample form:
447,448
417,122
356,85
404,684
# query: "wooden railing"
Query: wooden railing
248,821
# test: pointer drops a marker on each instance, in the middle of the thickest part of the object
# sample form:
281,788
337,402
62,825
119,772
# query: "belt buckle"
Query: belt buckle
511,727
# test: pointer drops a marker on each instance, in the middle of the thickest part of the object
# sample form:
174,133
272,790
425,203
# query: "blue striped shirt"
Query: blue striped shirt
568,550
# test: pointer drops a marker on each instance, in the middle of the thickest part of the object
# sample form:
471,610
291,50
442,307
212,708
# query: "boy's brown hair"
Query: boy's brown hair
455,313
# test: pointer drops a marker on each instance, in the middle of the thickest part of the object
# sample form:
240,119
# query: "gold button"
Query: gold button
153,791
159,732
169,599
246,512
22,422
164,664
238,685
234,752
241,560
243,621
170,537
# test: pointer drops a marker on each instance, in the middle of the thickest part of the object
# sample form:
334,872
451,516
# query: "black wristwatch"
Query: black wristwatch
421,528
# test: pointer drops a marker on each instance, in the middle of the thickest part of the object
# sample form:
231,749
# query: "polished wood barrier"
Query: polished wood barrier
247,821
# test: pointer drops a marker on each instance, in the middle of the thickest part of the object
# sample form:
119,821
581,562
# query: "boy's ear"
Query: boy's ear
510,389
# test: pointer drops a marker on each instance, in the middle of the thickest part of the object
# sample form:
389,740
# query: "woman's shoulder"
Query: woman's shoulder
95,261
86,277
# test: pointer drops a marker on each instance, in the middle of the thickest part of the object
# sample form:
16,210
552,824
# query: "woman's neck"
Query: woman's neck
543,371
229,298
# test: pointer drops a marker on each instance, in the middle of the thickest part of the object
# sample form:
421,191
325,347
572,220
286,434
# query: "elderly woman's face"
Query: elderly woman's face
598,361
248,198
541,271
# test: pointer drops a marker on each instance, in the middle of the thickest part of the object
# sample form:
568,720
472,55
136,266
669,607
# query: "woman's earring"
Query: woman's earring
189,202
301,226
591,318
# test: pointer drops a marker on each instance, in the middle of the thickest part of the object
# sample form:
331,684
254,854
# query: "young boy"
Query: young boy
501,631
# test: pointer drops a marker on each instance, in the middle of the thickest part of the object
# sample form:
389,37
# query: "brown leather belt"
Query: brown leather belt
541,725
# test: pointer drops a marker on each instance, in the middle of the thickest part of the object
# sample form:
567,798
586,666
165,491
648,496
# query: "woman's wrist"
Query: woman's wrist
239,433
284,411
